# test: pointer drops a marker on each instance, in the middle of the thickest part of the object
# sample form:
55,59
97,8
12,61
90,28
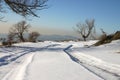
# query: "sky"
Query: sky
61,16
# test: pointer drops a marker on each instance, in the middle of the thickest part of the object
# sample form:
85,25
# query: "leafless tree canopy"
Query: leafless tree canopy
18,30
25,7
33,36
85,28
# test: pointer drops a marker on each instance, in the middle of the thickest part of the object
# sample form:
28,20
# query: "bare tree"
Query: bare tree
85,29
104,34
10,37
33,36
18,30
24,7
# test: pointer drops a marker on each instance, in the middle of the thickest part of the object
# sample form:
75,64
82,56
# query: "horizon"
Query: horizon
47,37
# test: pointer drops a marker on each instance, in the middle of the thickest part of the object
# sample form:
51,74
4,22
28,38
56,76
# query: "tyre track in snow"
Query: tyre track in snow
59,64
104,70
19,72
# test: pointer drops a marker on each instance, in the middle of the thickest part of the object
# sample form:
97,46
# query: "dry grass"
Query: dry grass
108,38
118,52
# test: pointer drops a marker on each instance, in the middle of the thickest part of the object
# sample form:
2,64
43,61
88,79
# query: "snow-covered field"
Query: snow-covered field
60,61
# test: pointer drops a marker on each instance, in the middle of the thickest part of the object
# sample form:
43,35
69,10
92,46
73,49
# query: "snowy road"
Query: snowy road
53,61
54,65
48,63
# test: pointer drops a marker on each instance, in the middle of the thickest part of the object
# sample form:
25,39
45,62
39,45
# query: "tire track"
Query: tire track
20,71
106,72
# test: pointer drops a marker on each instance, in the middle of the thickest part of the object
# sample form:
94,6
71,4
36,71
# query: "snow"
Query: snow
107,52
57,66
113,69
19,72
103,58
60,61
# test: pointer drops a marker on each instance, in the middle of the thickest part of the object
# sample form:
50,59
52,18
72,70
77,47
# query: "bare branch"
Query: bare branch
26,7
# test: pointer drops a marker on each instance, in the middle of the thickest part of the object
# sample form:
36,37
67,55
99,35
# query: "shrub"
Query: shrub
33,36
108,38
6,44
116,36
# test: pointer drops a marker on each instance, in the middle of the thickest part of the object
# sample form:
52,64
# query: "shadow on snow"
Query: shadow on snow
22,51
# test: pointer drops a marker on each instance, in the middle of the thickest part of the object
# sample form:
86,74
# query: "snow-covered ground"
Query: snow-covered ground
60,61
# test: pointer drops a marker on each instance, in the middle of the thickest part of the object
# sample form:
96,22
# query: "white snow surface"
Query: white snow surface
60,61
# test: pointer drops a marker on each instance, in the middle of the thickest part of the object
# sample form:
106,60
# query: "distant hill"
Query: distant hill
49,37
56,37
3,35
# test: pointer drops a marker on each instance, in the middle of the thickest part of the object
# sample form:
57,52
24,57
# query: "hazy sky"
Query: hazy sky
63,15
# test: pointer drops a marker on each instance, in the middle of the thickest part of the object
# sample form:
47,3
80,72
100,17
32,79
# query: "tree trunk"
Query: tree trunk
84,39
22,38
